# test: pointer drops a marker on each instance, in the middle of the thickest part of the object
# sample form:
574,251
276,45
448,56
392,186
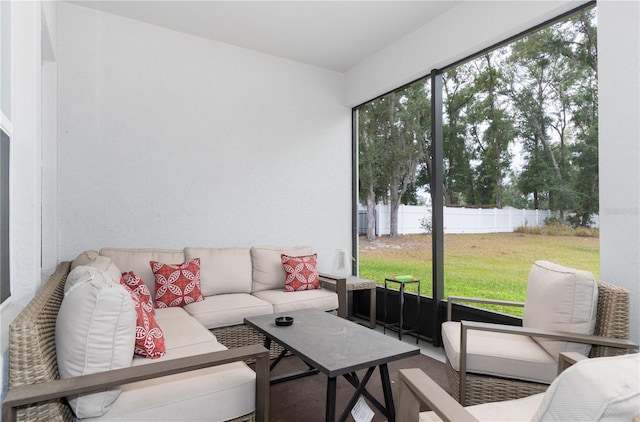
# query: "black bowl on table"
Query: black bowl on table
284,321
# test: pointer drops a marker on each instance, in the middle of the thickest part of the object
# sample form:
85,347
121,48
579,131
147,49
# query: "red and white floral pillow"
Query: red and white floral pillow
301,271
149,335
136,284
177,284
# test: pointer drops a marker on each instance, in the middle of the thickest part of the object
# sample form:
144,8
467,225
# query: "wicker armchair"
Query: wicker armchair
472,386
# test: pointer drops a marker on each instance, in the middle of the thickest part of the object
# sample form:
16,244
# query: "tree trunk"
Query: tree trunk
371,214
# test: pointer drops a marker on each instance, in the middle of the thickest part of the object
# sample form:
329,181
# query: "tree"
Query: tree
371,135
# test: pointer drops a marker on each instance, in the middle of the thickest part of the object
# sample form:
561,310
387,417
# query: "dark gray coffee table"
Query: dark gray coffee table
336,346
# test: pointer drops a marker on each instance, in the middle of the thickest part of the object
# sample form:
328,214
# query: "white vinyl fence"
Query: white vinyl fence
456,220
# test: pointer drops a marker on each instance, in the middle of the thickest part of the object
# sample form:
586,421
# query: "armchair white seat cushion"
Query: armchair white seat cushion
500,354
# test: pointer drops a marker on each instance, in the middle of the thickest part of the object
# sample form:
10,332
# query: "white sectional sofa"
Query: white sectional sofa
235,282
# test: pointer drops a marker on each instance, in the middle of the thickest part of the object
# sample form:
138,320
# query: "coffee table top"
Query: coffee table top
333,345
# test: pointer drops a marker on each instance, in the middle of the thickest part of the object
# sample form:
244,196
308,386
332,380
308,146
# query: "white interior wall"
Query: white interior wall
26,144
167,140
619,148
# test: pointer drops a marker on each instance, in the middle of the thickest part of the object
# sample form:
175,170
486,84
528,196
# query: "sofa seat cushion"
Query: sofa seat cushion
223,270
180,329
322,299
137,260
498,354
218,393
500,411
227,309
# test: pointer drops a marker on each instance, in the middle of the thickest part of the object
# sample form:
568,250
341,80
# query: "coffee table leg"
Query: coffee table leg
388,395
330,414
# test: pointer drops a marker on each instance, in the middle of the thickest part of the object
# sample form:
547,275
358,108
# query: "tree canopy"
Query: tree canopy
520,128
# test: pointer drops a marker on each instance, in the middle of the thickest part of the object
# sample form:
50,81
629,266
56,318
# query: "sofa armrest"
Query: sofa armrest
453,299
33,393
465,326
566,359
417,387
338,285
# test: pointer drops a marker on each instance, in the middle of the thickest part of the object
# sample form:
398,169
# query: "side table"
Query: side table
343,285
400,324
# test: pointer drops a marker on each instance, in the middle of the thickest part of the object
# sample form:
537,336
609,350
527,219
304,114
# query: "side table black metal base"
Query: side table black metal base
399,326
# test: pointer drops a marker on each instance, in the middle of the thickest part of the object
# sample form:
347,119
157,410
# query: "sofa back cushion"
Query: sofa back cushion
95,332
599,389
267,269
560,299
137,260
222,270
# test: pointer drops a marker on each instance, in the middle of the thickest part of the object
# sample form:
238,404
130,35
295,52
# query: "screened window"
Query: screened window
504,171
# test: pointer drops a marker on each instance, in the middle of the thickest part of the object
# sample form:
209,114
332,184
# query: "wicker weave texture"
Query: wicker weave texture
612,320
483,389
243,335
32,353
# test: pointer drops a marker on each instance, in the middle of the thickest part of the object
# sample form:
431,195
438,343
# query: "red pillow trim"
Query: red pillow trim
136,284
149,335
302,273
177,284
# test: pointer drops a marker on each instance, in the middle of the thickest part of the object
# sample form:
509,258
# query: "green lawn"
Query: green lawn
478,265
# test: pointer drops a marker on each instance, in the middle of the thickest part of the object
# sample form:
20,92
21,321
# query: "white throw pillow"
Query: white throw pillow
267,270
560,299
95,332
599,389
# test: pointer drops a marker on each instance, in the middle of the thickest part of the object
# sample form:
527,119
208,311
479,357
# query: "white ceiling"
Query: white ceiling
335,35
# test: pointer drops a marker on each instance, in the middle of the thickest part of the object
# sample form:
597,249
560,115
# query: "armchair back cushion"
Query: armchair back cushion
599,389
560,299
223,270
268,272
